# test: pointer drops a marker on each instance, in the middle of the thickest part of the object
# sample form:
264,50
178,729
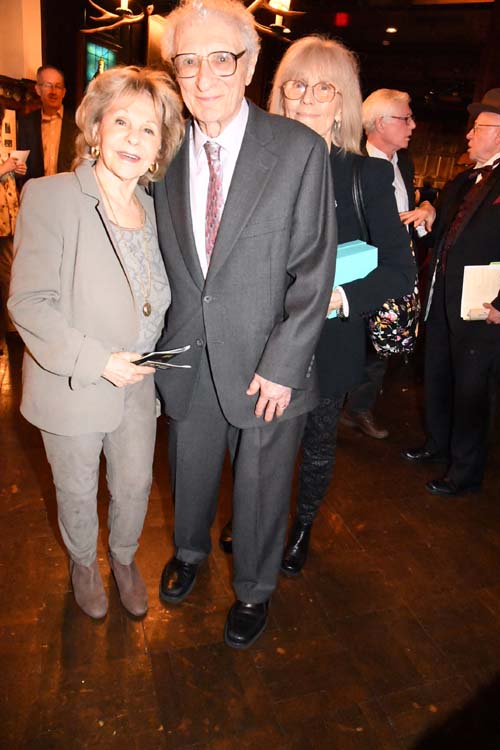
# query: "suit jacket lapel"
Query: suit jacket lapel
177,187
407,173
254,166
487,186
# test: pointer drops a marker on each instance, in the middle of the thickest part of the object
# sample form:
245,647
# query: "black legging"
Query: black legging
319,445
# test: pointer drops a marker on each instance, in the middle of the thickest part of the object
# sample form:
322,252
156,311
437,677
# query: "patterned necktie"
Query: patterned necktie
470,196
214,196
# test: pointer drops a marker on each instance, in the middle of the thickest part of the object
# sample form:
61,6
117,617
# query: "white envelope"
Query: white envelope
20,155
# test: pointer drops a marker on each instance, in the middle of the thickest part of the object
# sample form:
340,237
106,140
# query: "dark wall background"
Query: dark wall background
443,55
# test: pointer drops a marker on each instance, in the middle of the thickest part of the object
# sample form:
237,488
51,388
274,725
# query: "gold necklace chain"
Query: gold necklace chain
145,288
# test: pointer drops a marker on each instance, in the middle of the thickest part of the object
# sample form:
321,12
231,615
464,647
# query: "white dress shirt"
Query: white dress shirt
230,141
51,138
399,184
491,160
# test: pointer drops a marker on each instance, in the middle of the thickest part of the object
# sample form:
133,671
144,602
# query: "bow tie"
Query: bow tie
483,171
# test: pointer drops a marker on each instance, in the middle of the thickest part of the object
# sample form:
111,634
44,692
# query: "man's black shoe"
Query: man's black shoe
422,455
177,580
295,555
226,538
245,623
447,488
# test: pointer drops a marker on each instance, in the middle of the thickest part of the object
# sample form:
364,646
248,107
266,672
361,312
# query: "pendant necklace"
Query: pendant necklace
145,288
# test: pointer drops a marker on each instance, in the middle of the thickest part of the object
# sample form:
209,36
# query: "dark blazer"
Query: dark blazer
262,305
407,170
478,243
30,136
342,347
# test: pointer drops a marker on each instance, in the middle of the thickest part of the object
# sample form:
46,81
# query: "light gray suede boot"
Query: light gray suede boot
131,587
88,589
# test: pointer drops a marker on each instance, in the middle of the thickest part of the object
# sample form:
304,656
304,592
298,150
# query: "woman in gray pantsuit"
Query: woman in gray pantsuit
88,296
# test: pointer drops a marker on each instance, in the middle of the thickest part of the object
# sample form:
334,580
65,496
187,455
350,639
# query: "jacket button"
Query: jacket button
207,299
199,342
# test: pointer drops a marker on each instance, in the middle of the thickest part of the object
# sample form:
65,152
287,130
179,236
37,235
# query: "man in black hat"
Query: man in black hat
463,356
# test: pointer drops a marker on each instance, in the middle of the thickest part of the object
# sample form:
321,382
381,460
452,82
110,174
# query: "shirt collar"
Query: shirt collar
374,151
48,118
231,137
491,160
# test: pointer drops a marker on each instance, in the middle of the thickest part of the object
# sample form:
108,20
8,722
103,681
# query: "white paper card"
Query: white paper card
20,155
481,284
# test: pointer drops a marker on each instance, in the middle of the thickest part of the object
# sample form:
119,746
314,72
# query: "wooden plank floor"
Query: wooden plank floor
389,640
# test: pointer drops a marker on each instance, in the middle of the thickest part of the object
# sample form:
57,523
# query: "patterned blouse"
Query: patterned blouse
139,250
9,204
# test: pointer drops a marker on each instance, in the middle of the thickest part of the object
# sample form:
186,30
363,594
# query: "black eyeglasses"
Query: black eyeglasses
221,63
407,118
322,91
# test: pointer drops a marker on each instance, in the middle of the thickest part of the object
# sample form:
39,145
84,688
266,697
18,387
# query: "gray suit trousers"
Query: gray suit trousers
263,462
74,461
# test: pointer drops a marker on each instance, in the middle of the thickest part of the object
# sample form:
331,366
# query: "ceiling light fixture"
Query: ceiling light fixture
282,12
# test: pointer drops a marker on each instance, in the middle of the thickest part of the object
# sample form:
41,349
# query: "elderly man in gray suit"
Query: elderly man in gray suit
247,230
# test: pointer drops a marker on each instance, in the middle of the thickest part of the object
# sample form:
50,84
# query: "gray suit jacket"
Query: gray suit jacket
262,305
72,303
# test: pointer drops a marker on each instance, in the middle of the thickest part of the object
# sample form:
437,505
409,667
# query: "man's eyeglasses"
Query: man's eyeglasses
223,64
483,125
407,118
56,86
322,91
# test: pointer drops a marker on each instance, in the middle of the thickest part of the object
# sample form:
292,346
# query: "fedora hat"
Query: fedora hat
489,103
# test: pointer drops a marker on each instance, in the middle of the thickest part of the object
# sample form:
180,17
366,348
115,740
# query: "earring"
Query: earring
95,152
337,125
154,169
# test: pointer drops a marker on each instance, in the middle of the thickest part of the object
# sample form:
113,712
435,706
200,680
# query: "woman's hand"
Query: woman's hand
121,371
20,167
9,166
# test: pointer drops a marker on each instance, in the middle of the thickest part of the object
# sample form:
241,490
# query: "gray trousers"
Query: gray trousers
74,461
263,463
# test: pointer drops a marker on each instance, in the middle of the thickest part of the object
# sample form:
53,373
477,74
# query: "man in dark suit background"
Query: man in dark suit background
49,133
462,357
250,295
388,123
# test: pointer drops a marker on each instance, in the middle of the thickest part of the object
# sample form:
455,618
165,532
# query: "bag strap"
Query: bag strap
357,197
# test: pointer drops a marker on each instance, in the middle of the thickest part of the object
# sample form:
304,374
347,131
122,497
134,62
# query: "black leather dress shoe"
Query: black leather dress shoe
245,623
226,538
177,580
422,455
447,488
295,555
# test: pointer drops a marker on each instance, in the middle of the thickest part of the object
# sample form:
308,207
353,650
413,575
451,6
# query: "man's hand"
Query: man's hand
120,371
335,301
493,314
424,214
273,398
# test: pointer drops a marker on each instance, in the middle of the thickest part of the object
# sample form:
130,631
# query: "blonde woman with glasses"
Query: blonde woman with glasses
317,84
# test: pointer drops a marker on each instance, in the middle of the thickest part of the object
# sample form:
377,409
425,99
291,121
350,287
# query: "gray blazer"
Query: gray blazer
263,303
72,303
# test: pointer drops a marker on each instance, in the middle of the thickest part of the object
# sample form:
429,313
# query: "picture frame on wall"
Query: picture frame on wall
9,130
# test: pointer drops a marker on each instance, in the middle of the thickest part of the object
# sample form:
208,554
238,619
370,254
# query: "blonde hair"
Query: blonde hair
375,105
335,63
230,11
125,82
